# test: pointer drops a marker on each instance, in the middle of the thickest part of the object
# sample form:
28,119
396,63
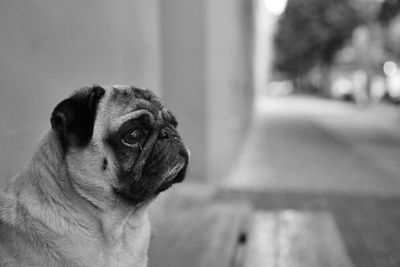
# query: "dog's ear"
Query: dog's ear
74,117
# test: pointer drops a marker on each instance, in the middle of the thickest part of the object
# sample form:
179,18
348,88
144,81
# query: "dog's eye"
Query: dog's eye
133,137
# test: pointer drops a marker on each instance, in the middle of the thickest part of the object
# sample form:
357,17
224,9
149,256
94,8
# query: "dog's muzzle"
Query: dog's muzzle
169,157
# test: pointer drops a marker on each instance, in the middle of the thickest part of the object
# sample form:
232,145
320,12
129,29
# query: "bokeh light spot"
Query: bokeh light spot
389,68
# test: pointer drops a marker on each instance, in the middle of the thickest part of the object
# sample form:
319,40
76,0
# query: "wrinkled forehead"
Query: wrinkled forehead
123,103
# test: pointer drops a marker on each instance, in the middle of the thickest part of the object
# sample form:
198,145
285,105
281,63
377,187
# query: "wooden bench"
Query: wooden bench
199,233
201,237
295,239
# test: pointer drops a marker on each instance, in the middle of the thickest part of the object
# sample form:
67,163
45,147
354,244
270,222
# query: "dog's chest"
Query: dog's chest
129,247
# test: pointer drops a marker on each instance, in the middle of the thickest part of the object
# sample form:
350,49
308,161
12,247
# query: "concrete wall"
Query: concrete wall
265,27
229,49
207,77
183,74
196,53
48,48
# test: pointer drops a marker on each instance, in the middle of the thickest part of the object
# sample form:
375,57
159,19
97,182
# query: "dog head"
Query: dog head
119,143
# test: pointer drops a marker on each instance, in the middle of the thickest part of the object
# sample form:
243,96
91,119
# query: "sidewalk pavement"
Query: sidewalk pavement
305,144
314,154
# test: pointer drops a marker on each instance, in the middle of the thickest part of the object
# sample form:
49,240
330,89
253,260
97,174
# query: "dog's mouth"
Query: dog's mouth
176,174
176,177
160,173
173,172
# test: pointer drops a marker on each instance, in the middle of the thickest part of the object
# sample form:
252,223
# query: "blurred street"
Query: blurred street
311,154
310,144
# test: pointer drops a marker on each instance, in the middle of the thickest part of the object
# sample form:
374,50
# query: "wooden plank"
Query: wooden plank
295,239
205,236
261,250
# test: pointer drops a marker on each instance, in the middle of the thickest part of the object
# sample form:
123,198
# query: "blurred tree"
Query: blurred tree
309,34
388,11
389,17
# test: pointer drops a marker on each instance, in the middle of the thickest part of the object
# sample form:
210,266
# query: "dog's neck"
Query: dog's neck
45,193
43,189
48,174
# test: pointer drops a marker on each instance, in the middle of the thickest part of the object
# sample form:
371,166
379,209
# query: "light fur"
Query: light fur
49,223
61,211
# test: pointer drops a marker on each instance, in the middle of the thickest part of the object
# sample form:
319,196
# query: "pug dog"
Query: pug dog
82,199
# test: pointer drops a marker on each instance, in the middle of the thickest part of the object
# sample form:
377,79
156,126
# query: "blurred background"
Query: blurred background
289,106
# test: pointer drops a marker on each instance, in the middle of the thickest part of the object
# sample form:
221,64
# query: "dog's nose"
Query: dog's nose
185,153
163,134
168,133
